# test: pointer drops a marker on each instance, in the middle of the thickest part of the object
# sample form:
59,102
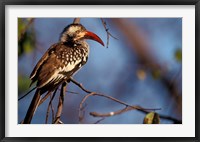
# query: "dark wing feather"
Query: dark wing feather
56,66
34,73
49,71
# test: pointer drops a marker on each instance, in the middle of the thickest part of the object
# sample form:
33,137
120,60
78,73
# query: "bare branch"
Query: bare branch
58,121
44,98
98,121
79,85
81,108
96,114
72,92
127,106
50,105
76,20
60,104
52,108
108,33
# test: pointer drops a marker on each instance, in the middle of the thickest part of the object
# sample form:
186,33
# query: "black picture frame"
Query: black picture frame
96,2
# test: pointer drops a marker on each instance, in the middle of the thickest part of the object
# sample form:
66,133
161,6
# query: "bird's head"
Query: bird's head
75,33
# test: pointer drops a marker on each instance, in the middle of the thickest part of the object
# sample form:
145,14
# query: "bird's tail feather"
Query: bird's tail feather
32,108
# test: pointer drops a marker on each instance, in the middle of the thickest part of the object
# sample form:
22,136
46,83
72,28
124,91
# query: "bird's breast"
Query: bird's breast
71,58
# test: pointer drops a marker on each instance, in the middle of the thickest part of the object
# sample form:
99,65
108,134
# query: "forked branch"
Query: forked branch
128,107
107,31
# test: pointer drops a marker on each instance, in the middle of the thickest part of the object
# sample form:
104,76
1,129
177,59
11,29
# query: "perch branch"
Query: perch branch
96,114
60,104
115,100
50,105
127,106
44,98
79,85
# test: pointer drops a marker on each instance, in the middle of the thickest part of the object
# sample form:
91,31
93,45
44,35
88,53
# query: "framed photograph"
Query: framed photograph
104,71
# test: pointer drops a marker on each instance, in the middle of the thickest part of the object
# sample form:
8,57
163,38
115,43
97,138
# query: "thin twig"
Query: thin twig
44,98
98,121
72,92
52,109
102,95
48,109
79,85
113,99
76,20
60,104
127,106
50,104
47,95
95,114
107,31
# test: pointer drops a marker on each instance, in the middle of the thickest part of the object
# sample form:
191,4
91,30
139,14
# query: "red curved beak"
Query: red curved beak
93,36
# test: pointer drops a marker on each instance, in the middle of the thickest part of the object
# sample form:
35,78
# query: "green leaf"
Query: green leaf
152,118
21,26
28,46
26,36
178,55
156,74
23,83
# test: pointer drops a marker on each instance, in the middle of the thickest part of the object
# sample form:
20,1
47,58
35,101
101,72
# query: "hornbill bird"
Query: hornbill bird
60,62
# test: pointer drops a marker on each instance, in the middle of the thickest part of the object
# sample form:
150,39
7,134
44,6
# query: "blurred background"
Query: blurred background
143,67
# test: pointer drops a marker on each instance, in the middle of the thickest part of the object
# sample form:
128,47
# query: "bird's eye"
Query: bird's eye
70,37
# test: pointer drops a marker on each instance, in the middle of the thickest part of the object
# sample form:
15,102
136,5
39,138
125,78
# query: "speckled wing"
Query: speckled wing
34,73
59,63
